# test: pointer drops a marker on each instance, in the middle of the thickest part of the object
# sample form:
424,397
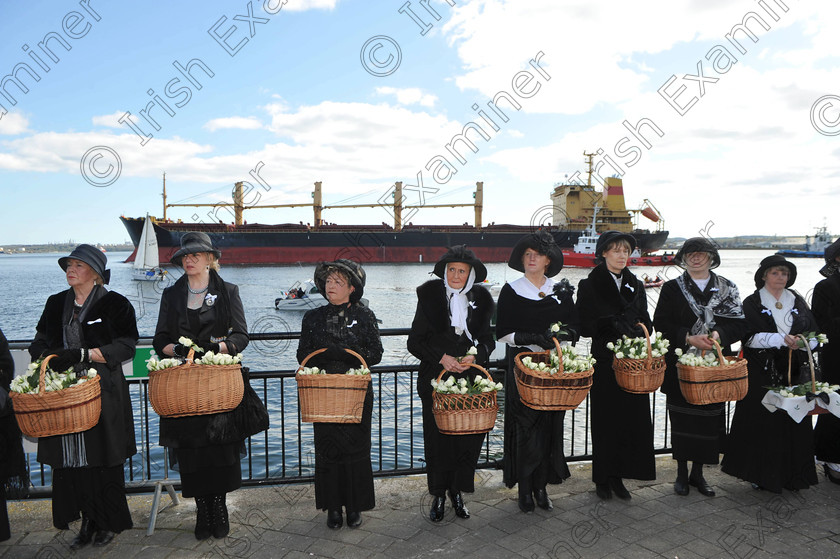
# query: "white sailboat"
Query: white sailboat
147,261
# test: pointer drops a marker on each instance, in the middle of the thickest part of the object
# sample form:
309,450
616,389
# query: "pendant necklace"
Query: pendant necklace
779,305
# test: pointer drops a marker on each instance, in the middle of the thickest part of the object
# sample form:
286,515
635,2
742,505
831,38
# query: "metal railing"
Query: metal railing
285,453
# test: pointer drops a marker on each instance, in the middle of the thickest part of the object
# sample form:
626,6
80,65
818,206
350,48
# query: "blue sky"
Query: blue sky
756,153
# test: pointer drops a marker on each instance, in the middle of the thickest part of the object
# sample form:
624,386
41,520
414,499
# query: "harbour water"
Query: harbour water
30,279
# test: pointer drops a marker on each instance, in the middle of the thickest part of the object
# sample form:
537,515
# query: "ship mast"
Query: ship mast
164,196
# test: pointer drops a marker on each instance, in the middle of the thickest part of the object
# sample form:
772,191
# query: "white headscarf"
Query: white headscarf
458,303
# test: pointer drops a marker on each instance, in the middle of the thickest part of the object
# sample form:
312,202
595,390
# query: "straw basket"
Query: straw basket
465,414
713,385
47,414
817,409
640,376
547,392
191,389
332,398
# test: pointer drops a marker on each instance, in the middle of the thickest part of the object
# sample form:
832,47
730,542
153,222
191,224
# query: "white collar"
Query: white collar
524,288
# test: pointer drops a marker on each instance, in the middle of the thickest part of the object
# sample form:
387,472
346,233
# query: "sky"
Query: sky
724,114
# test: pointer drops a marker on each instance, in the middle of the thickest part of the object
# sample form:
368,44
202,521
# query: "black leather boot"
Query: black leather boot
85,534
438,506
354,519
526,500
542,499
202,518
334,519
219,516
459,506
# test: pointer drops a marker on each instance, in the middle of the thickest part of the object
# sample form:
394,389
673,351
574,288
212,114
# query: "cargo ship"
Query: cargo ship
571,212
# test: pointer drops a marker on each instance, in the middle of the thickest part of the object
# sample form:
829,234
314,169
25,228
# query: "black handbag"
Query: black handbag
245,420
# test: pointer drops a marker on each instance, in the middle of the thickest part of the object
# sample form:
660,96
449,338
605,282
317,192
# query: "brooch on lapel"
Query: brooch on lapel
766,311
471,304
210,300
794,311
94,321
352,324
630,287
714,289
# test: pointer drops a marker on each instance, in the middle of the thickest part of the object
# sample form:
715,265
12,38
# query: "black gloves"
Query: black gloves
180,350
527,338
209,346
66,358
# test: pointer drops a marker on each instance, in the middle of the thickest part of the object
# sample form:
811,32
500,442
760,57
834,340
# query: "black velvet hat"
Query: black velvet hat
353,270
698,244
771,262
609,237
461,253
91,256
542,242
831,253
193,243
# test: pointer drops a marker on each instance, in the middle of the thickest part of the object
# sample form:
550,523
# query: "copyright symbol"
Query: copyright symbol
384,63
100,173
821,121
270,324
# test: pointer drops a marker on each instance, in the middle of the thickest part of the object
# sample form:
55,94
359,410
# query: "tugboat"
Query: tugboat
814,247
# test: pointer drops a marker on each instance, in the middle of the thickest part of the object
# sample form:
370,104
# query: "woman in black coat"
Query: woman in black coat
453,314
767,448
343,472
86,327
207,310
611,301
692,308
528,306
12,462
827,312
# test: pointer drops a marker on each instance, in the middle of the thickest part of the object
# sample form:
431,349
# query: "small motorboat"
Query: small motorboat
652,282
301,296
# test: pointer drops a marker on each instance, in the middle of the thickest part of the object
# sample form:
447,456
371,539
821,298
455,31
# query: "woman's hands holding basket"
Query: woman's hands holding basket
703,341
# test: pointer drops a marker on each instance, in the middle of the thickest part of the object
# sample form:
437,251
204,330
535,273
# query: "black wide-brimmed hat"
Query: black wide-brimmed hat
353,270
461,253
542,242
91,256
609,237
698,244
831,253
193,243
771,262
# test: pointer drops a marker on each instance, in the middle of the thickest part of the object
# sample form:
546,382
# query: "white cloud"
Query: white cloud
243,123
112,120
303,5
409,95
12,124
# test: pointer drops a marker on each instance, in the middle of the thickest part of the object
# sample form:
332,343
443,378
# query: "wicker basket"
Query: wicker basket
191,389
640,376
332,398
713,385
546,392
817,408
465,414
47,414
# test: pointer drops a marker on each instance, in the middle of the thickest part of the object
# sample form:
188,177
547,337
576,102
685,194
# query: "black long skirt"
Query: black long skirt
696,431
96,492
533,440
209,470
769,449
343,471
827,438
450,459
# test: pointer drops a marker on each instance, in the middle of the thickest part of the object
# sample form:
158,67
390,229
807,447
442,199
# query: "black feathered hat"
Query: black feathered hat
193,243
353,270
697,244
461,253
542,242
91,256
609,237
771,262
831,253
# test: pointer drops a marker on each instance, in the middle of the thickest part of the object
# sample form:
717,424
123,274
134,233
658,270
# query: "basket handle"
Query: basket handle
649,360
810,362
717,349
559,354
476,365
41,383
323,349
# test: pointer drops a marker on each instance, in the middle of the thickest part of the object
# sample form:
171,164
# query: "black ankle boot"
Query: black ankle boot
526,500
618,488
459,506
219,516
334,519
202,518
437,510
542,499
86,531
